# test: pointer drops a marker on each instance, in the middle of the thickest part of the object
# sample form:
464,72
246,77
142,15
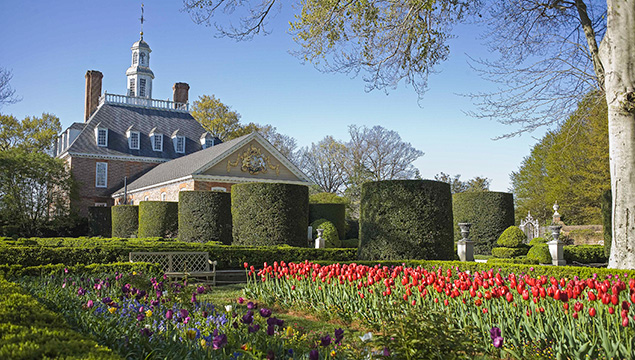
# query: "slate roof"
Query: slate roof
118,118
182,166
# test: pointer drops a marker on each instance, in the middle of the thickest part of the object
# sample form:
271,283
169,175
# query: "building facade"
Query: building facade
132,148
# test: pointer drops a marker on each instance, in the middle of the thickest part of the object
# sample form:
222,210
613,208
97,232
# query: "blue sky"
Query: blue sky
49,46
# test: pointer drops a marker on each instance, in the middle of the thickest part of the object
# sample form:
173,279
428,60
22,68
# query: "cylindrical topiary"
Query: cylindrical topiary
330,233
100,221
158,219
205,216
270,214
406,219
335,213
539,253
489,212
125,221
512,237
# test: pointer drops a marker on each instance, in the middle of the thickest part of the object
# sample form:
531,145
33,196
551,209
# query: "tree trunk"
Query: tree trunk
618,57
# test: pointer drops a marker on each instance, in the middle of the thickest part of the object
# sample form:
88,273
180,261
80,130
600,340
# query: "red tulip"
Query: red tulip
414,302
484,310
592,312
566,306
575,315
591,296
614,299
445,302
625,322
509,297
611,310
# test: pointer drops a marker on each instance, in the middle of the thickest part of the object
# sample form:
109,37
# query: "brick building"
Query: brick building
150,149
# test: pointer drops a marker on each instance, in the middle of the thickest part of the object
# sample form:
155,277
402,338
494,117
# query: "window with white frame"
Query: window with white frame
157,142
145,198
133,140
134,58
131,91
209,142
218,188
102,137
101,175
142,87
179,144
163,195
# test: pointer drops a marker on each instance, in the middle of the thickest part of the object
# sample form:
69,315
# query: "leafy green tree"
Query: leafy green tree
217,118
569,165
34,189
457,186
30,134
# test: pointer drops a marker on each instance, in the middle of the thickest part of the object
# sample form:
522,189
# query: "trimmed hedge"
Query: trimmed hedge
270,214
538,241
335,213
48,269
489,212
539,253
330,235
327,198
28,330
512,237
158,219
585,254
100,251
125,221
205,216
406,219
350,243
100,221
507,253
352,229
607,221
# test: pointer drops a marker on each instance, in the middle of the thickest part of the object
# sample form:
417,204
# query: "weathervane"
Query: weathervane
142,19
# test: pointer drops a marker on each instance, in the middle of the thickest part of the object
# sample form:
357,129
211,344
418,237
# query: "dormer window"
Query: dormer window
101,135
179,144
207,140
157,140
133,139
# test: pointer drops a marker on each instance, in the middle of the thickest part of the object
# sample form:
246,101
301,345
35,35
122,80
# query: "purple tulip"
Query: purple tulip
248,318
251,305
498,342
497,339
253,329
339,335
325,341
219,341
89,304
169,314
265,312
386,352
270,330
146,332
183,313
200,289
140,317
241,300
314,355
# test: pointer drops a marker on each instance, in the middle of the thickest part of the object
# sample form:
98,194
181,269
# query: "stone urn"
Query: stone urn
465,247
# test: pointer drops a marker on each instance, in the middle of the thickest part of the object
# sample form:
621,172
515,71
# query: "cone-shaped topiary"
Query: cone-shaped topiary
330,233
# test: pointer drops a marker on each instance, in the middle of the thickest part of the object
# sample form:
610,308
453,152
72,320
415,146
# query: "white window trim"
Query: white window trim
218,188
175,141
130,140
163,196
105,185
97,130
153,142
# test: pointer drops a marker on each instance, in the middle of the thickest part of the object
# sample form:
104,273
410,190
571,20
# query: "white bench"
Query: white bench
180,264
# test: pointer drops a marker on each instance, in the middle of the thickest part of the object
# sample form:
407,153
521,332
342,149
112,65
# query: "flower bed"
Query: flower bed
141,317
30,331
520,314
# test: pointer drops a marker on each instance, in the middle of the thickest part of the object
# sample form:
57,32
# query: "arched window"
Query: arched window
163,196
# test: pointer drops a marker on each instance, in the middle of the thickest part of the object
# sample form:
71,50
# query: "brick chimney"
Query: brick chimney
93,92
180,93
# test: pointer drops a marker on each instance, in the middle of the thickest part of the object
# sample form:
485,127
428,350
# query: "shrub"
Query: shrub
539,253
607,208
205,216
125,221
350,243
507,253
512,237
158,219
538,241
270,214
335,213
330,235
406,219
490,214
327,198
585,254
100,221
